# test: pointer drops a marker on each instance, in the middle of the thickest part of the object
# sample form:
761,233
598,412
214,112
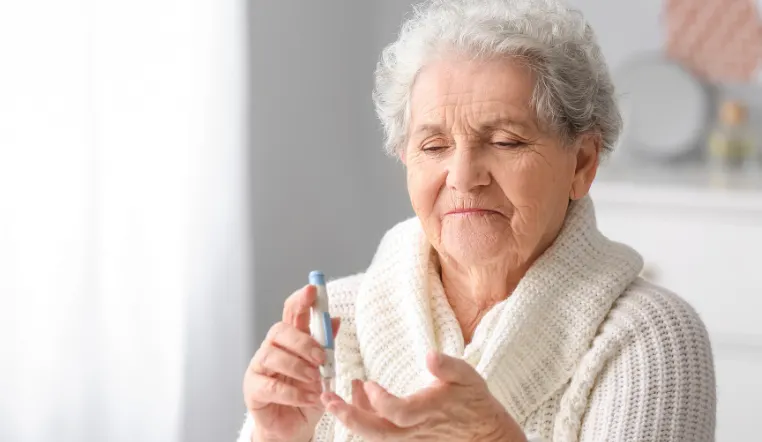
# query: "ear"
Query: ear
588,158
401,154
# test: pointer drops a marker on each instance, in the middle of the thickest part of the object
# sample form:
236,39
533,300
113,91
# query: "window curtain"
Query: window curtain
124,225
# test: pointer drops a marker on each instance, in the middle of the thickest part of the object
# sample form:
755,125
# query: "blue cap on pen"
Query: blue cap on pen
317,278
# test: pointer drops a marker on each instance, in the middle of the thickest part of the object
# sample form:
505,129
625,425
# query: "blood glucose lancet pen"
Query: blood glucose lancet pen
322,329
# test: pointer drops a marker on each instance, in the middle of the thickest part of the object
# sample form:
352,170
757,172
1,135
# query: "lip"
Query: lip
473,211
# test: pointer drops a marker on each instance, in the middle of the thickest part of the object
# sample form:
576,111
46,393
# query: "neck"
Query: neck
473,291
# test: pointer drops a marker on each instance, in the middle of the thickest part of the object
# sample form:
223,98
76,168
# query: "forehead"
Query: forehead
488,88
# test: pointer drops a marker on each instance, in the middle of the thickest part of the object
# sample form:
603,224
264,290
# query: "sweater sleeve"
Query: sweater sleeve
341,295
246,431
659,385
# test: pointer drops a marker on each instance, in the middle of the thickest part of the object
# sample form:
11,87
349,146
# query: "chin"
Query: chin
471,247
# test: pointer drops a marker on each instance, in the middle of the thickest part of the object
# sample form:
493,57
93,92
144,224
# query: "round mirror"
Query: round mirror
666,109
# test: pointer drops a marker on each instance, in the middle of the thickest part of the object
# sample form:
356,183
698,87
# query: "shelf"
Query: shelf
693,187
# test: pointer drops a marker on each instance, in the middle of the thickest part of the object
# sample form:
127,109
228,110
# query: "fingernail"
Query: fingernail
318,355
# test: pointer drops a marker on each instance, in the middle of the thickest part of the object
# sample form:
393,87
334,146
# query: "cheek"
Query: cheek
424,184
536,187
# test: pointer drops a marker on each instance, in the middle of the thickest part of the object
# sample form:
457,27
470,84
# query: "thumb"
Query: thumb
452,370
335,324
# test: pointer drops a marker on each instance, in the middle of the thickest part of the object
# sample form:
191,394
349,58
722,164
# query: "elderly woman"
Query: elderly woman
500,312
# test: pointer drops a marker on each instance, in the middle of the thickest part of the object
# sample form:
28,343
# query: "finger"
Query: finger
296,310
269,390
275,360
314,387
328,397
251,381
359,397
398,411
363,423
335,324
288,337
452,370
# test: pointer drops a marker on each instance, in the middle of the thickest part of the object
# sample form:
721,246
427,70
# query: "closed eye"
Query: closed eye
433,148
508,144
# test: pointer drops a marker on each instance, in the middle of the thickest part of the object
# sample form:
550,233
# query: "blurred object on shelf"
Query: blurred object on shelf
666,110
731,148
720,40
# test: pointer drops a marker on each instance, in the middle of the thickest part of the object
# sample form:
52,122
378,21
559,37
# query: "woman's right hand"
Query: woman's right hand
281,387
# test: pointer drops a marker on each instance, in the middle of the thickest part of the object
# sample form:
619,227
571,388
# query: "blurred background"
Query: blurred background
170,171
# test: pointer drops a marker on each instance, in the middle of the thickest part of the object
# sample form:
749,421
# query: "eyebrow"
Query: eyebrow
432,128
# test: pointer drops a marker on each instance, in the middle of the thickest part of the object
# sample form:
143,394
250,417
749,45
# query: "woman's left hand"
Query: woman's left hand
456,407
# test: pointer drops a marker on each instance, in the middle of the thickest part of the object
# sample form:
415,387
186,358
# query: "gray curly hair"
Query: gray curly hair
573,94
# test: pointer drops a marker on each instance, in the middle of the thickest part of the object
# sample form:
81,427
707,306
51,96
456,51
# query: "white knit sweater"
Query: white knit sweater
583,350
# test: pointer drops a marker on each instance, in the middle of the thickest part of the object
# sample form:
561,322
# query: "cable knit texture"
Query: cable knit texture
582,350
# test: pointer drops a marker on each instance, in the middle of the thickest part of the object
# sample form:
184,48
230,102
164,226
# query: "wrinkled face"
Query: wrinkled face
489,185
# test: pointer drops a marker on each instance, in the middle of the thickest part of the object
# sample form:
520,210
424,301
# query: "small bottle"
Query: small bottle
731,146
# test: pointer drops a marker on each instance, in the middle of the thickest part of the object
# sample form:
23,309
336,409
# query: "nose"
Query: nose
467,169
